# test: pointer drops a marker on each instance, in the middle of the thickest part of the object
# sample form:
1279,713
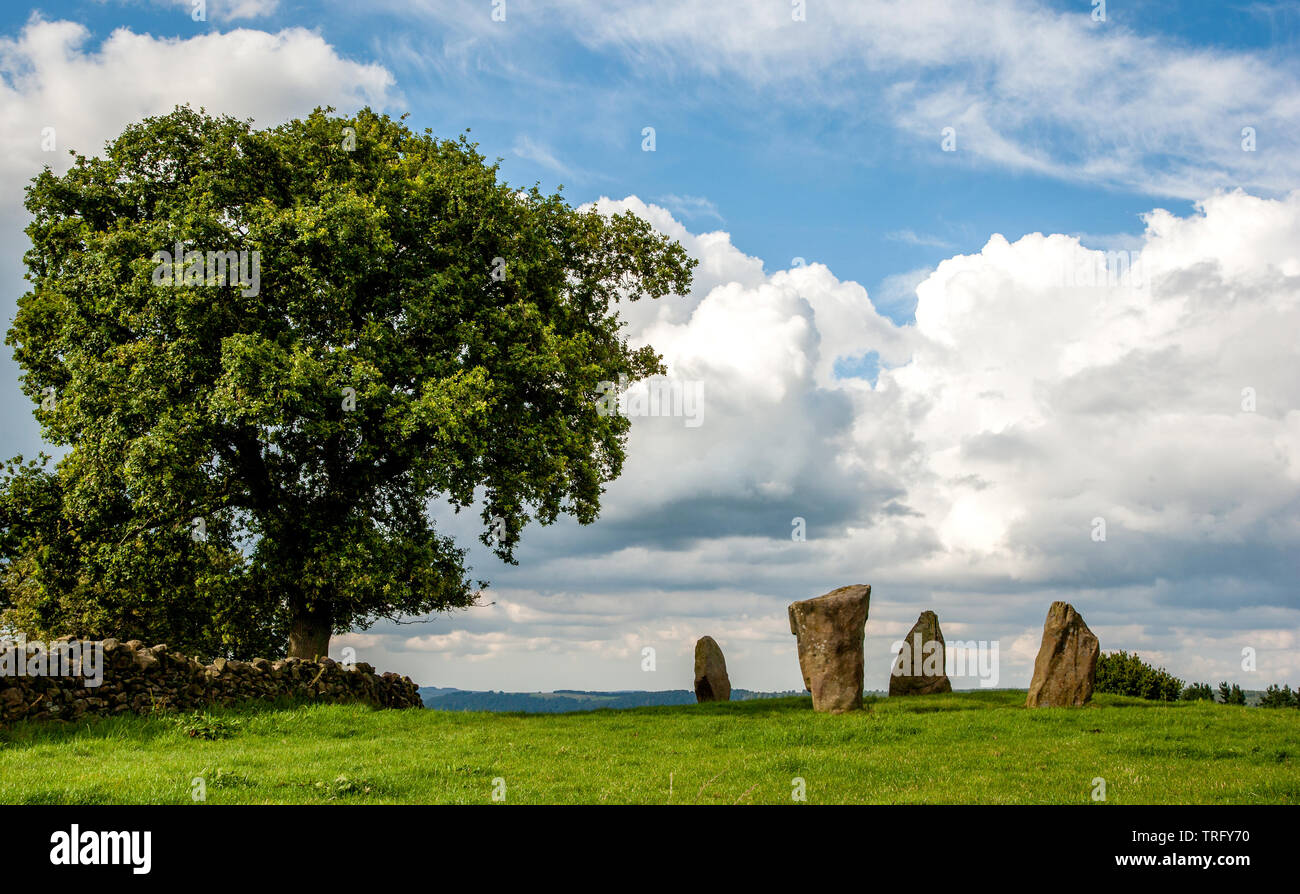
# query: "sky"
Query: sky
909,345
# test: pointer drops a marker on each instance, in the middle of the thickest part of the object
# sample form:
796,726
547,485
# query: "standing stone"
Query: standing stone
1066,666
711,682
919,668
830,630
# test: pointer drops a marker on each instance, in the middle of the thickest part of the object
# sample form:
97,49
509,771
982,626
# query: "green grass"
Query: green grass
981,747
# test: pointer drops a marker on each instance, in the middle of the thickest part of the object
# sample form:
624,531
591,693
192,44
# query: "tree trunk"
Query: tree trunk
309,633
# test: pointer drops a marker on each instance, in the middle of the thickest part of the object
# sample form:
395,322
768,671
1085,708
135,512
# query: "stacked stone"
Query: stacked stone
142,679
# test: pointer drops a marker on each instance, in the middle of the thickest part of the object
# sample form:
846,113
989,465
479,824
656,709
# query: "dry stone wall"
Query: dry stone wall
139,678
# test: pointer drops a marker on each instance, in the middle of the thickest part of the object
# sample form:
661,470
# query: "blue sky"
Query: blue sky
941,453
852,192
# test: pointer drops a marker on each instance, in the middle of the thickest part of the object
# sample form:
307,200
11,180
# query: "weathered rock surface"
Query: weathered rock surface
830,630
919,667
1066,666
711,681
141,679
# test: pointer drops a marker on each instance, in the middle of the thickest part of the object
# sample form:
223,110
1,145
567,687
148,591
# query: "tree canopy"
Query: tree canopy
1122,673
266,353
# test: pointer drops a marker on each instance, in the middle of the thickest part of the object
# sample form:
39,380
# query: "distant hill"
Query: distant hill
564,700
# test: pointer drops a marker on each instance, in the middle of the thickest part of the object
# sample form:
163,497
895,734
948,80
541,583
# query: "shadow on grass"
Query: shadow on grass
60,797
151,727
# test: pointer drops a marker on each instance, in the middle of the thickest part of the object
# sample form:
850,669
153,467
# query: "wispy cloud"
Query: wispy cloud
527,148
217,10
691,207
912,238
1111,241
1025,87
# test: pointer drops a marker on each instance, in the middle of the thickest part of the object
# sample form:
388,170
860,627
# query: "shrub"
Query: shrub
1275,697
1231,696
201,725
1122,673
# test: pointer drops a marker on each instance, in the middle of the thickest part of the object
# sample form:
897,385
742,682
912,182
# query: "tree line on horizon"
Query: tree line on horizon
1125,673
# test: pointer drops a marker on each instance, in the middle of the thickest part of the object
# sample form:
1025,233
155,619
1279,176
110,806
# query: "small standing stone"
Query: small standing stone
919,668
830,630
711,681
1066,667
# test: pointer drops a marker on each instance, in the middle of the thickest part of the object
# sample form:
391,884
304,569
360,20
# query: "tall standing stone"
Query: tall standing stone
711,681
919,668
1066,666
829,630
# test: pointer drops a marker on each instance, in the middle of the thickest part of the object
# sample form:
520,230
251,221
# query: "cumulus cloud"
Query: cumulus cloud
58,91
52,79
1025,402
1028,398
1069,402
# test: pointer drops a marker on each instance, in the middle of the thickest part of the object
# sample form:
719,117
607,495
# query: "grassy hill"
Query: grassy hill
975,747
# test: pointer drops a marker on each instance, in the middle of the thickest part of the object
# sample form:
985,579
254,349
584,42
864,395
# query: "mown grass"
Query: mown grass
980,747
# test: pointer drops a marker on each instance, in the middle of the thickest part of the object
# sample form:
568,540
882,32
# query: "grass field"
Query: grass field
979,747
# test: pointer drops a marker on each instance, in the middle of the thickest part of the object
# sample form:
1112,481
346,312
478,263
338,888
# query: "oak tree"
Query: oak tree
265,354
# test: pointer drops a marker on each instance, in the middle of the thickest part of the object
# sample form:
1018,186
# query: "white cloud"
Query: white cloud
217,10
55,82
529,149
910,237
1026,87
1019,407
52,79
896,297
1016,409
1071,403
691,207
239,9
